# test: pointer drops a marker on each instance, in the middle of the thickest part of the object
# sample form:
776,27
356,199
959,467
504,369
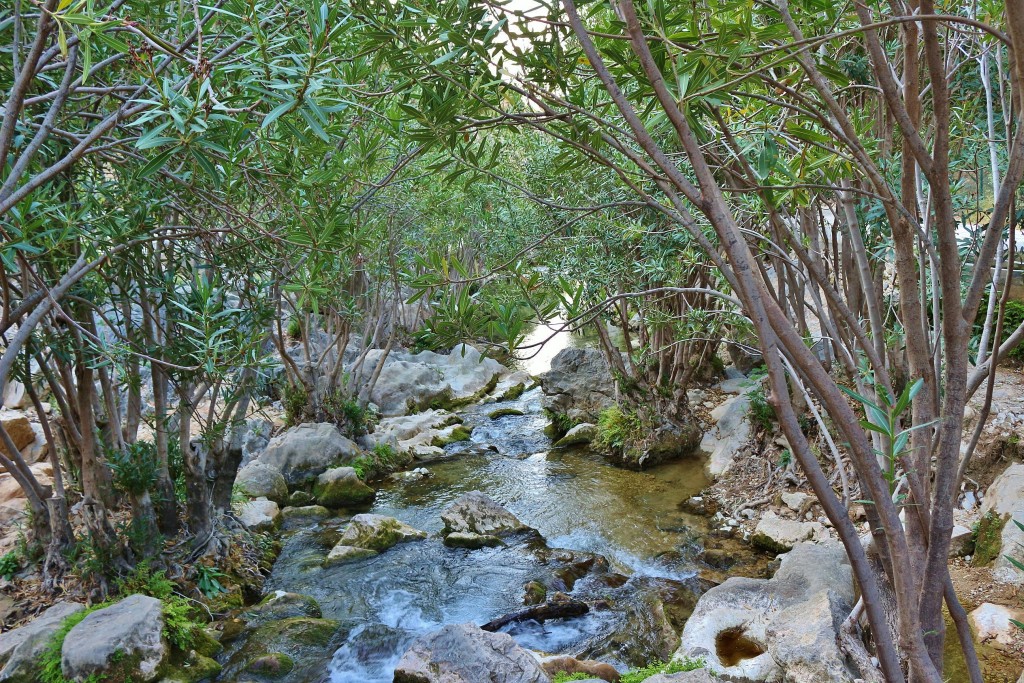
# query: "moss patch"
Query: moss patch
768,544
273,665
989,540
504,412
513,392
460,433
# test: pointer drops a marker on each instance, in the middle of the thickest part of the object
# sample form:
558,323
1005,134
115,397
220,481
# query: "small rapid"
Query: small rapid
573,498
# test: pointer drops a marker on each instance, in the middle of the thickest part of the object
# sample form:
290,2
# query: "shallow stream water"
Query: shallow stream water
573,498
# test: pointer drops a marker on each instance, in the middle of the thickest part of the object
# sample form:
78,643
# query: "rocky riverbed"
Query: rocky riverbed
492,551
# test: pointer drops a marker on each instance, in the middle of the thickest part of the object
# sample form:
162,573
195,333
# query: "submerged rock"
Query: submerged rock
378,532
340,487
125,639
463,653
282,605
476,513
995,622
778,628
292,650
21,648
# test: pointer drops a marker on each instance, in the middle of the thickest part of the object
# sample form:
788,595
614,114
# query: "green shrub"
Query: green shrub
1012,319
382,459
49,661
295,328
618,430
179,613
135,467
673,667
296,404
9,565
762,415
563,677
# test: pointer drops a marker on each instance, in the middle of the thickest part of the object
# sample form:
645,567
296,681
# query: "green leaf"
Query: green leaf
276,113
156,163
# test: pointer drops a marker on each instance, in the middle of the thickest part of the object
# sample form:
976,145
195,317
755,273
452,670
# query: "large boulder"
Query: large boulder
410,383
1003,505
21,648
378,532
783,628
463,653
124,639
304,452
778,535
579,385
340,487
258,480
476,513
730,433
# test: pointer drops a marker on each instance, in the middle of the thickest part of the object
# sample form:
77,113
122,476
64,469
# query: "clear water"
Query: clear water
572,498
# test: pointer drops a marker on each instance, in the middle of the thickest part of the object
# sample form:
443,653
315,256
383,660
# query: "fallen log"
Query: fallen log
562,609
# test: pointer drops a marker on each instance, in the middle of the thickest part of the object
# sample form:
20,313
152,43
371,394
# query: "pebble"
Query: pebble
748,513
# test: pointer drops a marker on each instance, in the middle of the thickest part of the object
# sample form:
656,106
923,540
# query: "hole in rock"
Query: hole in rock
733,646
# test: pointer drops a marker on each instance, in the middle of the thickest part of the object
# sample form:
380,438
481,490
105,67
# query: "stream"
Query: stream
572,497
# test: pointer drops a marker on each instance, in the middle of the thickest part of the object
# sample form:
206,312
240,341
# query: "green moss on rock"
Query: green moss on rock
273,665
459,433
504,412
768,544
989,541
198,669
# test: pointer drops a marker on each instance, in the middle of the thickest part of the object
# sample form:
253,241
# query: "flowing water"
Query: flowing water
573,498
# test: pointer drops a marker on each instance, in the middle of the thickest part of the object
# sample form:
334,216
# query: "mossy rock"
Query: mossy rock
378,532
280,605
205,644
457,434
300,499
273,665
768,544
504,412
535,593
465,539
513,392
265,653
341,487
989,543
306,513
198,669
